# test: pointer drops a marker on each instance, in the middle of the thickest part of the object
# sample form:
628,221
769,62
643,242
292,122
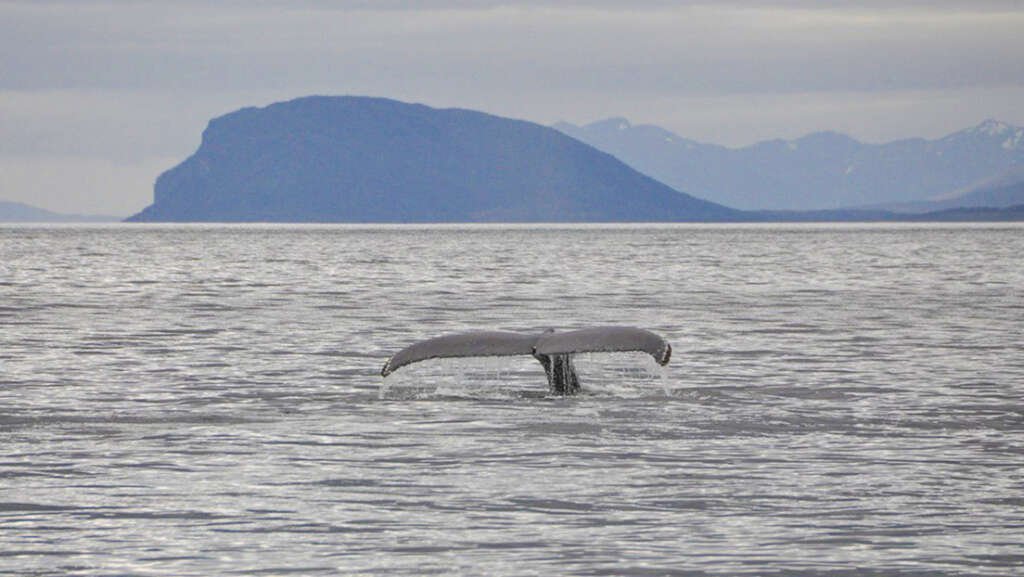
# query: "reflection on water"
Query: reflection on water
192,400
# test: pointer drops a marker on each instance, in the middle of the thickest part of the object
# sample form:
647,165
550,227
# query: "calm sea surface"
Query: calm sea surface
205,400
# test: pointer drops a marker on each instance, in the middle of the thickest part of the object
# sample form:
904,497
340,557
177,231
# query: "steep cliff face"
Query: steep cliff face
356,159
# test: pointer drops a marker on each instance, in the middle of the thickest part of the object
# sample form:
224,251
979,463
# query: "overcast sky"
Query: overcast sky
98,97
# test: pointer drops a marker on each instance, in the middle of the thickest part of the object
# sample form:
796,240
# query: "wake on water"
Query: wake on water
620,374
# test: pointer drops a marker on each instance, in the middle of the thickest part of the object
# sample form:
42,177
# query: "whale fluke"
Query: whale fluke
553,350
605,340
471,344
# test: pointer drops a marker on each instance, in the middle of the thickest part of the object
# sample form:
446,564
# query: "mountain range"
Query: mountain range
826,170
361,159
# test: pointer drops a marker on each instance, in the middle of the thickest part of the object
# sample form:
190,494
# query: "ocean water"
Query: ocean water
206,400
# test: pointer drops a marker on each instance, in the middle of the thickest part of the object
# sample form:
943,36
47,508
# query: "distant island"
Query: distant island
360,159
363,159
20,212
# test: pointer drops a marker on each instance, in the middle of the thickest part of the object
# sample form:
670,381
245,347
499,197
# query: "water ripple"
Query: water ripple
197,400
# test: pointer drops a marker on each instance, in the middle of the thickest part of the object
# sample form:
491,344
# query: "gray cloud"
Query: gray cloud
698,49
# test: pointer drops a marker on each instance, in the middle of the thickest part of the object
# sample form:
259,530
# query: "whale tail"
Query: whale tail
553,350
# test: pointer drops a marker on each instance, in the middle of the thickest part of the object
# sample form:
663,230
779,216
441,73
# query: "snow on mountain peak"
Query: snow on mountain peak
992,127
611,124
1015,140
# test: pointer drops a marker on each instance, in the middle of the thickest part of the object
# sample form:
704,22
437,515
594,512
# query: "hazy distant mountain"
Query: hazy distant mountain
1013,213
820,171
357,159
18,212
1003,190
